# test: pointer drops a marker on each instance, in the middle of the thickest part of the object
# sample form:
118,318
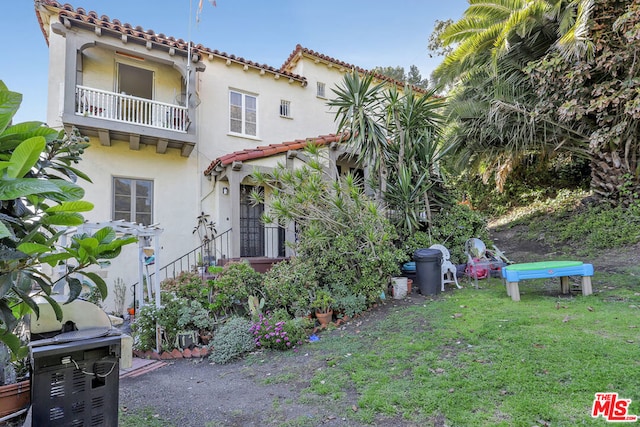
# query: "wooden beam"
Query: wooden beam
134,142
186,150
161,146
105,139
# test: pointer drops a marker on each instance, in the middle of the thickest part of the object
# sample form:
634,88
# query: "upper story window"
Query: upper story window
135,81
321,92
243,113
133,200
285,108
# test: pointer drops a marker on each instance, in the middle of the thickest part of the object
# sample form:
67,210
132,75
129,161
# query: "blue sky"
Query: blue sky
366,33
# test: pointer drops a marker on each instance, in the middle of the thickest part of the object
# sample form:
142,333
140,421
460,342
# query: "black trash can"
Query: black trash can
428,273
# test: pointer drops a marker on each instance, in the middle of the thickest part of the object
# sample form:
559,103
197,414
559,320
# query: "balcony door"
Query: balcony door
251,226
135,81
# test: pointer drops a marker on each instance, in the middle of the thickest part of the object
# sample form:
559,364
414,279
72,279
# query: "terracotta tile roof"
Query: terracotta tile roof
270,150
91,18
289,64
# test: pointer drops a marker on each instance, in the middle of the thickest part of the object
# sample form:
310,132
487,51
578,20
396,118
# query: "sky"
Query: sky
365,33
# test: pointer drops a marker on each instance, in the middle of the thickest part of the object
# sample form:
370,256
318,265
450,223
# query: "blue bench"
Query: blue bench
514,273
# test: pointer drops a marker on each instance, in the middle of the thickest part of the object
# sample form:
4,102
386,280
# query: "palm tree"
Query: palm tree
491,28
396,133
494,122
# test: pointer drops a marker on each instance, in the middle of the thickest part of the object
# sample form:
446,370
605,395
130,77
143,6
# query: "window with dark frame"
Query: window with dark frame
285,108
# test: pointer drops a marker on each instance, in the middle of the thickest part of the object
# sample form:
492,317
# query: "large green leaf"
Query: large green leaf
54,259
98,281
9,104
10,340
64,218
56,307
33,248
4,231
25,156
67,191
75,206
20,187
75,289
105,235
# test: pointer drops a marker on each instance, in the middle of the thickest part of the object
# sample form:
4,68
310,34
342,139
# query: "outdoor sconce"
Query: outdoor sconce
225,190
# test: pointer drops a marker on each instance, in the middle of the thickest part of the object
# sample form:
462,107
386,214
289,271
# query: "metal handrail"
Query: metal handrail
209,252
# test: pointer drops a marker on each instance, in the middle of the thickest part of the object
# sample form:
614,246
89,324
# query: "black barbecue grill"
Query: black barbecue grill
75,367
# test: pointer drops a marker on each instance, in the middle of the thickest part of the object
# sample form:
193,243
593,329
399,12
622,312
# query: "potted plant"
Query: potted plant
15,386
323,304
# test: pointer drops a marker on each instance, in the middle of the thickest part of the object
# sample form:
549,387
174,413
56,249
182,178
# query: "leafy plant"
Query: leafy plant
93,296
188,285
346,302
233,339
194,316
342,230
291,285
39,196
120,291
231,289
269,333
144,328
323,302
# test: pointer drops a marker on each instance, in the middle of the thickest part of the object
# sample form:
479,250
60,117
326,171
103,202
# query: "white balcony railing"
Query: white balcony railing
118,107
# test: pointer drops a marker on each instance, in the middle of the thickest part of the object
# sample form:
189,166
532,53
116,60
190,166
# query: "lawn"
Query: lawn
475,357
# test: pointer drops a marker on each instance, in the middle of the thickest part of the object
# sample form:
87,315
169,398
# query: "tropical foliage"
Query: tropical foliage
39,197
545,83
396,134
341,230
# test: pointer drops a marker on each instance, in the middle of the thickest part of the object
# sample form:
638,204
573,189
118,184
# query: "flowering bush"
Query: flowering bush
269,333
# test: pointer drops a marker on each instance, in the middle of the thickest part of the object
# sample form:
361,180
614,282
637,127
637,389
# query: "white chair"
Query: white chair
446,268
477,262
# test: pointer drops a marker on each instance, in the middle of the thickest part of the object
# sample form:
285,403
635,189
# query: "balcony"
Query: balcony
114,116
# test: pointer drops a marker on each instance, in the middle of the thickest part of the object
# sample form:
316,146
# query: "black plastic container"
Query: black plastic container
428,273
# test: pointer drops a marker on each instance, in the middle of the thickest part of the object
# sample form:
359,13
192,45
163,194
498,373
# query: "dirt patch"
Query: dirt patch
518,247
264,389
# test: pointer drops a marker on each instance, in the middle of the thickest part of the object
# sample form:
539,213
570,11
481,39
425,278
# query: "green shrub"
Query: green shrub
268,332
194,316
188,285
344,232
452,227
143,329
346,302
231,289
232,340
290,285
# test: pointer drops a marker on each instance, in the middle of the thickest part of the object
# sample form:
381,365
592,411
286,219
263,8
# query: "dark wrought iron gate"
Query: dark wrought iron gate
251,226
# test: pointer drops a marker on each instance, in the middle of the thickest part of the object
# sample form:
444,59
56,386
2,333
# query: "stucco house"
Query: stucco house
176,129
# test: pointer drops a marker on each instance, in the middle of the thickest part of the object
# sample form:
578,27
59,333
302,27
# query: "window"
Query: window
321,92
285,108
243,114
135,81
133,200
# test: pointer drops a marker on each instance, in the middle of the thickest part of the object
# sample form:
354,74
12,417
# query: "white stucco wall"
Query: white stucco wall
181,191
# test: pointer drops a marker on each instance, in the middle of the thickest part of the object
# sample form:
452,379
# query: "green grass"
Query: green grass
477,355
143,418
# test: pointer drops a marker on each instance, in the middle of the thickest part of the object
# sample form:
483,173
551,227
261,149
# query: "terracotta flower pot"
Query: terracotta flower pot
14,397
324,318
